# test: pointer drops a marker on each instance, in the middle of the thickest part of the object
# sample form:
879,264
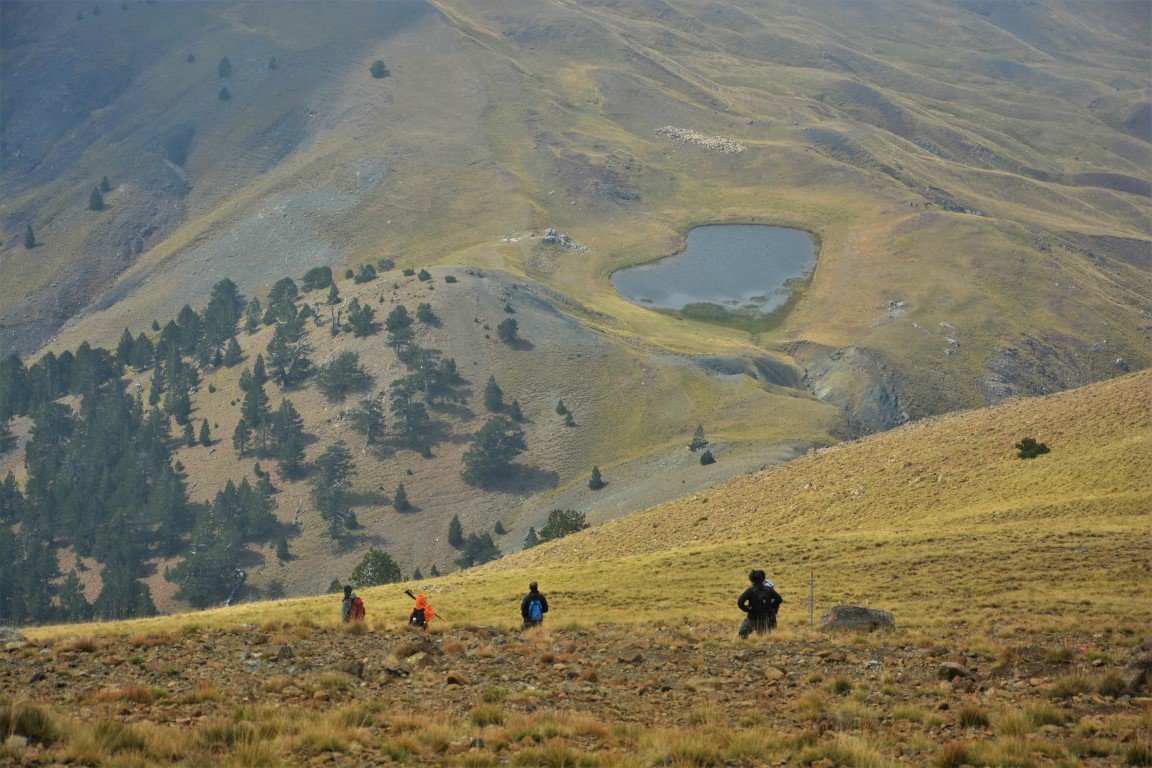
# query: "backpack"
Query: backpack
417,619
762,602
356,613
536,609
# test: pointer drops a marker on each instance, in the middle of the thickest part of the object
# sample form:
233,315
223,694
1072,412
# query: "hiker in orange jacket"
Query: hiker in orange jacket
422,613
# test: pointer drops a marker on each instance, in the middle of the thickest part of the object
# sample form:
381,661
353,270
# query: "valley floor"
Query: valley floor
679,694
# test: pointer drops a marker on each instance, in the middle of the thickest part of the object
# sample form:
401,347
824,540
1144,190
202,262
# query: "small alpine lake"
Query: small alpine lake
746,275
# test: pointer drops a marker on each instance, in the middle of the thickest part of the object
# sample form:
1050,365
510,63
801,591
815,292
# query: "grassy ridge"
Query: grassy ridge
937,521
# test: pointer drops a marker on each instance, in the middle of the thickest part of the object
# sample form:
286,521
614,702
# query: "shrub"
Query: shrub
972,717
707,458
224,94
95,200
29,237
378,69
450,279
28,720
224,67
376,568
1069,686
1029,449
507,331
562,522
486,714
424,276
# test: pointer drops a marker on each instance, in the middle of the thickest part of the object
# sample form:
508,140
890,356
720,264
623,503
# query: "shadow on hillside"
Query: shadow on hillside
369,499
524,480
522,345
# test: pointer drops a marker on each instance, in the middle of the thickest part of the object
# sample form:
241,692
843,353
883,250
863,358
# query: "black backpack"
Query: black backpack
762,601
417,619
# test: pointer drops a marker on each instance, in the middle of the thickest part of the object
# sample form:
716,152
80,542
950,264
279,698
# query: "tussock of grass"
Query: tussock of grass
486,714
22,718
971,716
1071,685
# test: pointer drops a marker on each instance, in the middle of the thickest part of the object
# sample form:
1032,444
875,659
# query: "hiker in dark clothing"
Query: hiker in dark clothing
760,601
352,609
533,607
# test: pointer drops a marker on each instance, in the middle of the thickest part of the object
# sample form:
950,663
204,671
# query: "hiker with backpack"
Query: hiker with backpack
352,609
761,602
533,607
422,613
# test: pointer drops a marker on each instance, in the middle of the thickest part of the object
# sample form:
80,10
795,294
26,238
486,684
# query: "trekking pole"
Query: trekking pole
438,614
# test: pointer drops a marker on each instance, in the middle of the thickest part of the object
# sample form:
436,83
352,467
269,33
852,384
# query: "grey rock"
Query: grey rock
855,617
11,635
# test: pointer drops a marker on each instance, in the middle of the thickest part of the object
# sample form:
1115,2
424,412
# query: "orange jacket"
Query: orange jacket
422,604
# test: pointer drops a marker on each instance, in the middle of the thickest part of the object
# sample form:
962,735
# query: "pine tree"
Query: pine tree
491,451
561,409
189,434
515,412
104,185
29,238
595,482
252,316
416,575
455,532
259,376
532,539
493,396
499,528
334,294
435,571
334,470
376,568
95,200
400,499
205,434
224,94
282,553
232,353
378,69
569,421
224,67
241,437
707,458
124,350
73,604
698,439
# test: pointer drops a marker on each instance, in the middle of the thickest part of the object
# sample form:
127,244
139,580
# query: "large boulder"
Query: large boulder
10,635
1138,674
855,617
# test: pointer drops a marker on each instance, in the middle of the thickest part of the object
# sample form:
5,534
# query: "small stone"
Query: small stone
950,670
455,678
774,673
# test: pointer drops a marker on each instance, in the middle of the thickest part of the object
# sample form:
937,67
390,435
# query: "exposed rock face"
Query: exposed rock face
856,381
855,617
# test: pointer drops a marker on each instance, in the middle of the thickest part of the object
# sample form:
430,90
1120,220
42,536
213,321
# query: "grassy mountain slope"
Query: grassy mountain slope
937,521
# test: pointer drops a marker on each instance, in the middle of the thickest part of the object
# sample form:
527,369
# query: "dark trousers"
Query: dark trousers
759,624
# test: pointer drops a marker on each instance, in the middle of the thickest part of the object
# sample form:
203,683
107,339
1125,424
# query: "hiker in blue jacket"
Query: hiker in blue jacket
533,607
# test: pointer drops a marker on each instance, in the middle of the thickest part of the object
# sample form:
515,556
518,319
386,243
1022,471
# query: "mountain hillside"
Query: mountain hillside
923,143
976,175
1017,587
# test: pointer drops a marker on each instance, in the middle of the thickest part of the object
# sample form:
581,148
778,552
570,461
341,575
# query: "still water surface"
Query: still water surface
737,266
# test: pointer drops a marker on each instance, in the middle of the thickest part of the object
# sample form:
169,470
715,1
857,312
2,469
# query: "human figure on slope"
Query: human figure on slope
533,607
422,613
761,602
352,608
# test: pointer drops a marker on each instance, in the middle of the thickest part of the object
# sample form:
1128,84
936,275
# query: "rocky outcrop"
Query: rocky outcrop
854,380
856,618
